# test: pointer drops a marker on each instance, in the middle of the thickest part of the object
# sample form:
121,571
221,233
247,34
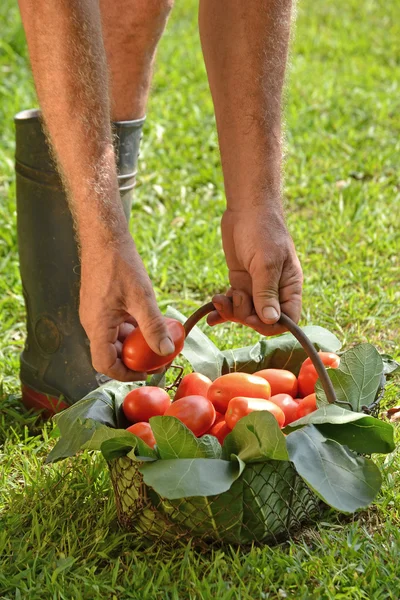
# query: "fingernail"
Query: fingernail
270,314
237,300
218,306
166,346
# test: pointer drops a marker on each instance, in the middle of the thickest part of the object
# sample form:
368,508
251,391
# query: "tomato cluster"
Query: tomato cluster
215,407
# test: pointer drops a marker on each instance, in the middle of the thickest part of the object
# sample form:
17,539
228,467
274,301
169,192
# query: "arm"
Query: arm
245,48
69,68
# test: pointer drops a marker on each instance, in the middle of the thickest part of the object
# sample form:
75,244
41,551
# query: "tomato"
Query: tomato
241,406
196,412
145,402
144,432
193,384
288,405
308,375
306,405
231,385
138,356
220,430
281,381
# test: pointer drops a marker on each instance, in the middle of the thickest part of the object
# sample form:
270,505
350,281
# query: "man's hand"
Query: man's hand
116,295
264,271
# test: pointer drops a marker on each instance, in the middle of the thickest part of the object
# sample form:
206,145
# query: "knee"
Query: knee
156,10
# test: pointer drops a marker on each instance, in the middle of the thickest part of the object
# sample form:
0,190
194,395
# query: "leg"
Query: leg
131,32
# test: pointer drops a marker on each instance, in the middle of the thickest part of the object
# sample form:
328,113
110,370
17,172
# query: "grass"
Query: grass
58,534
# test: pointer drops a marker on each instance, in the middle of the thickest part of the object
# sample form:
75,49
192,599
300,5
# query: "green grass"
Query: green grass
58,534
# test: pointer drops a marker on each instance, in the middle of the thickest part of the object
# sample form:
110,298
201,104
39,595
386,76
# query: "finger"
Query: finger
124,330
265,284
242,306
224,305
214,318
152,324
255,323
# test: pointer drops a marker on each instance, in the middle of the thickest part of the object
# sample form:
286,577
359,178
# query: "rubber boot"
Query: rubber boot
55,366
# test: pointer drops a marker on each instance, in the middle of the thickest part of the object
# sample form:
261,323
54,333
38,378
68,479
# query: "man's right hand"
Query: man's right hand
116,295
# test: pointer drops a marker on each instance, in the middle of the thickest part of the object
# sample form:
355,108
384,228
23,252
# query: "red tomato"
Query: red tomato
281,381
144,432
196,412
231,385
306,405
308,375
288,405
145,402
193,384
241,406
138,356
220,430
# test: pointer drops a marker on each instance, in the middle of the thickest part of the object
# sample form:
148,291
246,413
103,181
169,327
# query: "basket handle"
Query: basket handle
295,331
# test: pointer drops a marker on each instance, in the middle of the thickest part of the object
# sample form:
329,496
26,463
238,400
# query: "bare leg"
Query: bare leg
131,32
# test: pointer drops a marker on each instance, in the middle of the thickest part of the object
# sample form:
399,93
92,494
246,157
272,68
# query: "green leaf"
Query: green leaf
278,352
343,480
175,440
210,446
390,366
256,437
123,444
357,379
180,478
367,436
329,413
199,350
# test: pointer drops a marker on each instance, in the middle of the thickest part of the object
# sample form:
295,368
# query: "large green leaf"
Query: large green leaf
357,379
278,352
126,443
342,479
175,440
199,350
186,477
92,420
256,437
329,413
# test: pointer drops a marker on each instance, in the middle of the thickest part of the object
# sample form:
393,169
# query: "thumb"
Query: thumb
153,327
265,284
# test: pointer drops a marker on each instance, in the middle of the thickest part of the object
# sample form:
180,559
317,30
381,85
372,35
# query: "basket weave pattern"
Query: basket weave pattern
266,504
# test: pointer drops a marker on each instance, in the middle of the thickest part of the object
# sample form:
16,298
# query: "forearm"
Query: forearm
70,73
245,47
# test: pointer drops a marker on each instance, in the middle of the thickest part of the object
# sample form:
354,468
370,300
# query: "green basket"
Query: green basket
266,504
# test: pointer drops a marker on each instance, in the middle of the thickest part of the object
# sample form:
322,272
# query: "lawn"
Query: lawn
58,534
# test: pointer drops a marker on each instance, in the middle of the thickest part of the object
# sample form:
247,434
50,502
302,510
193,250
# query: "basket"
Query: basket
265,505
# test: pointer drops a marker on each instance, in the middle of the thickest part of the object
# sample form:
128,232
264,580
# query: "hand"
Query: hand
116,295
264,271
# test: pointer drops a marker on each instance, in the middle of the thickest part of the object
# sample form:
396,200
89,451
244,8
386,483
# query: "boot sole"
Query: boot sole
49,405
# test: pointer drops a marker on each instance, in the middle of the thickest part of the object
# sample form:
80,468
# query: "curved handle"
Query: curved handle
295,331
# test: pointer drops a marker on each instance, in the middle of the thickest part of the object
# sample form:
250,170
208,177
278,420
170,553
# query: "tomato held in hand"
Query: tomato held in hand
193,384
196,412
144,432
145,402
220,430
308,375
240,407
280,380
306,405
288,405
231,385
138,356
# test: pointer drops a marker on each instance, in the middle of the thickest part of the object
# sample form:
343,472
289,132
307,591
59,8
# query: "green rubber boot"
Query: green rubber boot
56,368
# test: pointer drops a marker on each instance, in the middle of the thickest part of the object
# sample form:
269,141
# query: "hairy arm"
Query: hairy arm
245,46
69,68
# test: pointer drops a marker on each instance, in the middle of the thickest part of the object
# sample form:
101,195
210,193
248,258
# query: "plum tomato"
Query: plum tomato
241,406
145,402
308,376
288,405
144,432
280,380
231,385
196,412
306,405
138,356
219,430
193,384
